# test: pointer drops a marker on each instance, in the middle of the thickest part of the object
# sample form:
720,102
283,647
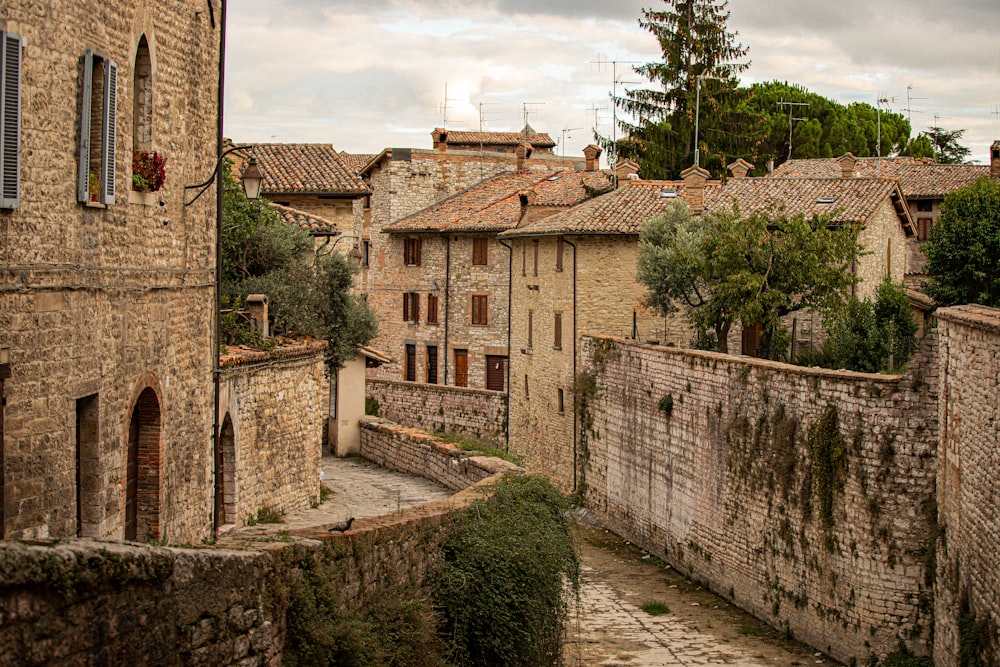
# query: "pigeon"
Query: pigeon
343,526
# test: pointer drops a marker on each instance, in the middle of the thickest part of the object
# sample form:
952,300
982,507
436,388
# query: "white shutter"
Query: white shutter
10,120
109,123
83,171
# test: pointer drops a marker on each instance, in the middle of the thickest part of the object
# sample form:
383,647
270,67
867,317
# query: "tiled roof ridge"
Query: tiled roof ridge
289,213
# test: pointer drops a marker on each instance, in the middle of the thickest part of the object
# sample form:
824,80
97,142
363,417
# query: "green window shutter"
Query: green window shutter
83,171
10,120
109,123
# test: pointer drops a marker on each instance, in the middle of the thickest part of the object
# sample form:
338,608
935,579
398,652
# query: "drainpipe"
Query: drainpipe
510,306
447,293
216,330
573,245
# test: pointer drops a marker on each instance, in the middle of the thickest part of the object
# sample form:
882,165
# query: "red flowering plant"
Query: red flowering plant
148,171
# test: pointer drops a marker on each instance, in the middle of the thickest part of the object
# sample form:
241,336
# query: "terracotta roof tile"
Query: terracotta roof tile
355,161
236,355
918,178
307,222
495,204
536,139
306,168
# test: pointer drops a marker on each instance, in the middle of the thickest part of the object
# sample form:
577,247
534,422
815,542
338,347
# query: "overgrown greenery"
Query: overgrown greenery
729,268
495,596
963,251
501,587
309,293
829,466
473,445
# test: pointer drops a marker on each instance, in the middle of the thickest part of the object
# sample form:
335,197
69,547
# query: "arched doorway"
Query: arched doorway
142,480
225,475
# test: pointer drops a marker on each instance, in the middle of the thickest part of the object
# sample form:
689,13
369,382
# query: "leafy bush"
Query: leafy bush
874,337
501,585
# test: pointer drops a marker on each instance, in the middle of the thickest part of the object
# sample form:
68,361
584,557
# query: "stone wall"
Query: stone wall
414,451
472,413
967,605
106,309
273,410
802,495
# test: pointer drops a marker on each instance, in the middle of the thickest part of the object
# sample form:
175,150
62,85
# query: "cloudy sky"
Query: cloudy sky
369,74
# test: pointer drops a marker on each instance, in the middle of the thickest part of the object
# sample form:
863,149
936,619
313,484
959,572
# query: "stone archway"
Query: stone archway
142,479
225,475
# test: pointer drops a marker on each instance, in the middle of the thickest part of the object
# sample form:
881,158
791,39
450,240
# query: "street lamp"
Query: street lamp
251,178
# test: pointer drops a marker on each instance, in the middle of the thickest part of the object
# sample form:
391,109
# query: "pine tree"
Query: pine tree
695,43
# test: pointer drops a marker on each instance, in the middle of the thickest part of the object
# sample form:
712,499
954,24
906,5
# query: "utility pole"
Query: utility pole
791,119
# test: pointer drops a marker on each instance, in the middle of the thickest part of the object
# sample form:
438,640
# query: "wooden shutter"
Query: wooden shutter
411,363
83,171
496,372
531,322
432,364
109,121
415,306
557,329
406,306
416,243
10,120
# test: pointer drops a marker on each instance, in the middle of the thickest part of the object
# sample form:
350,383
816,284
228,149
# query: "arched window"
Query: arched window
142,99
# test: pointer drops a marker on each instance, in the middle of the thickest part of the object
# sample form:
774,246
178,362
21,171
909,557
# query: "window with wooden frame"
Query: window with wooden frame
366,251
531,327
10,120
925,205
410,363
557,331
524,258
98,127
480,251
480,308
560,401
535,269
923,228
432,364
411,306
411,252
559,254
432,309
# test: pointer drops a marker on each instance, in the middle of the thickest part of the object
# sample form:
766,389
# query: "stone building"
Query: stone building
106,294
923,182
448,318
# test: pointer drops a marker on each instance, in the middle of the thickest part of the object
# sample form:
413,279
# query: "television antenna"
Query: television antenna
600,62
527,112
791,120
443,108
565,130
482,119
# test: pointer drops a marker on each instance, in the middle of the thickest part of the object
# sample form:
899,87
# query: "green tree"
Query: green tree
728,268
874,336
695,43
947,150
308,294
963,250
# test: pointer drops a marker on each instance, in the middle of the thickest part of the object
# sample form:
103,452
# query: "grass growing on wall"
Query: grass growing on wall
486,448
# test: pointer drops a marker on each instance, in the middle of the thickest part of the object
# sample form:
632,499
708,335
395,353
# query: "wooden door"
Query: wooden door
461,368
496,372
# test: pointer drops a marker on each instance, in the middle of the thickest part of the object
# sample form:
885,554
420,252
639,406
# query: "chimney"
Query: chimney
740,168
440,138
847,162
694,188
257,304
627,170
523,152
592,155
995,160
527,198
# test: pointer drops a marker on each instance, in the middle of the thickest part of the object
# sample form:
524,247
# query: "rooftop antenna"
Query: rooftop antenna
878,142
527,112
791,120
600,62
995,112
910,110
596,110
482,119
444,107
565,130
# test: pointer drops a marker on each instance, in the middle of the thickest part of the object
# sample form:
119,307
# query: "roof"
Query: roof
849,200
307,222
237,355
536,139
495,204
374,355
919,178
306,168
623,211
355,161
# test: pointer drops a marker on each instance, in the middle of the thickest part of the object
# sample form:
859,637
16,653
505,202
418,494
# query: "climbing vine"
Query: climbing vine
829,466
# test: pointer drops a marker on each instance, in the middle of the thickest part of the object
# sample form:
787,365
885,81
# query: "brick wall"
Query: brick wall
968,556
276,408
717,464
99,303
472,413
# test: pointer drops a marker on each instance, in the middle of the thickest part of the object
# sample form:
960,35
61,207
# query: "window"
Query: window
4,374
479,309
923,228
461,368
925,205
411,307
531,326
524,258
10,120
411,252
432,309
560,401
557,331
535,270
98,125
142,98
88,466
432,364
410,363
366,251
526,394
480,251
559,254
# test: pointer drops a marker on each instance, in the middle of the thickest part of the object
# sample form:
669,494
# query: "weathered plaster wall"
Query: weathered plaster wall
967,605
723,466
473,413
277,408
